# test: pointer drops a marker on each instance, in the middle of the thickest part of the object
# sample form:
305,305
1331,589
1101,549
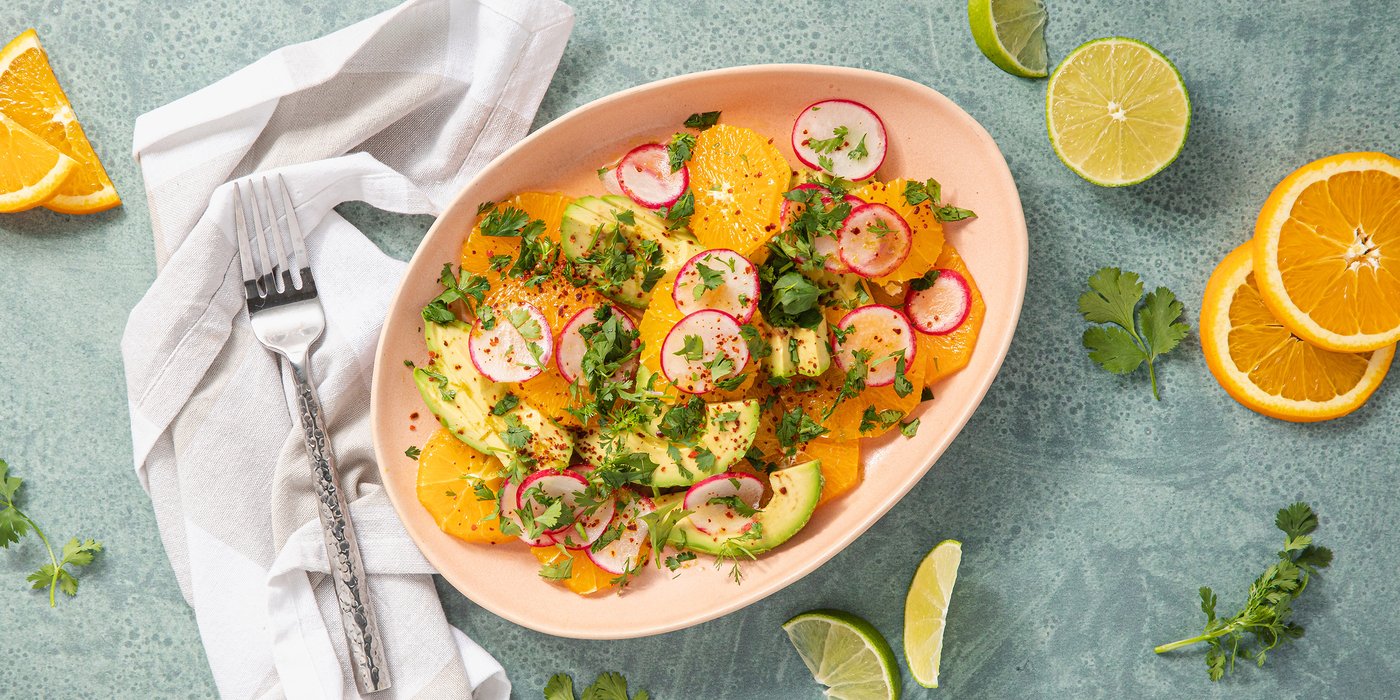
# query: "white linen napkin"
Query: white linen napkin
421,97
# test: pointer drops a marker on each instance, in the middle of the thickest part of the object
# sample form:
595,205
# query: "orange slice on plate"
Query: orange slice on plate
927,229
840,464
584,576
31,171
738,179
1269,369
448,471
946,354
30,95
1327,252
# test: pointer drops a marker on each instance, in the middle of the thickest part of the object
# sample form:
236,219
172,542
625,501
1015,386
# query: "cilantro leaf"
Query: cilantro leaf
735,503
660,523
919,284
832,144
609,686
710,278
860,150
909,429
559,687
1126,343
702,120
679,150
506,403
412,452
902,386
694,349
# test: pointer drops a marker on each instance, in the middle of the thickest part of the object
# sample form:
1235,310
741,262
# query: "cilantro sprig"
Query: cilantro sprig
1269,603
916,193
1123,346
609,686
14,524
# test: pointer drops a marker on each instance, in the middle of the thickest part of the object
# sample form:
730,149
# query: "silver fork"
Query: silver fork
287,318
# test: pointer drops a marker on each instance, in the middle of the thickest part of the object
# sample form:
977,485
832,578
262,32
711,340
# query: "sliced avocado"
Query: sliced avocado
468,414
783,356
796,491
727,439
590,219
813,358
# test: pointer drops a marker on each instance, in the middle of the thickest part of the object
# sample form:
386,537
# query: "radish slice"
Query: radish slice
593,525
624,553
821,120
874,240
573,346
719,518
883,332
940,309
504,353
566,485
825,245
737,293
609,177
717,332
645,175
510,501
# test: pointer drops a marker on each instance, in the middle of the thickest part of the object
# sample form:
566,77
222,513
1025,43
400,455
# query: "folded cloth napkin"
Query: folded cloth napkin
420,97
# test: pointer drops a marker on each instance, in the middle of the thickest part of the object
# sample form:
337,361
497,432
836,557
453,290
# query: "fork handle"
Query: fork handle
351,585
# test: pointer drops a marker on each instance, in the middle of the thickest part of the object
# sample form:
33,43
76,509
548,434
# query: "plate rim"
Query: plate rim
845,539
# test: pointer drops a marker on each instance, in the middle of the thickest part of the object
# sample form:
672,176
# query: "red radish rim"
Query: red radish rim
546,340
909,240
676,295
911,351
817,166
543,474
738,366
966,308
571,326
664,180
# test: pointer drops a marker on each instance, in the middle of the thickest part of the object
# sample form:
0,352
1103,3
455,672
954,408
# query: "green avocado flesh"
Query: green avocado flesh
799,351
796,491
727,439
468,413
590,219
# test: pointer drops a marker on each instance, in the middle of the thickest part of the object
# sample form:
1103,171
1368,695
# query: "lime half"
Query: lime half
846,654
1117,111
926,610
1012,34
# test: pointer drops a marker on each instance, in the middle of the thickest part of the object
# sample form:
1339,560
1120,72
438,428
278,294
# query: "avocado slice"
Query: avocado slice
813,357
727,439
796,491
589,219
468,413
782,357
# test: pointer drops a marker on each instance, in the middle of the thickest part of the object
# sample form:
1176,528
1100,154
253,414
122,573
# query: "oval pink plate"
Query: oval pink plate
929,136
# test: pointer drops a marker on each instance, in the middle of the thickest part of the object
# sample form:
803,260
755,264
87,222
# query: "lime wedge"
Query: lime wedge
926,610
1117,111
1012,34
846,654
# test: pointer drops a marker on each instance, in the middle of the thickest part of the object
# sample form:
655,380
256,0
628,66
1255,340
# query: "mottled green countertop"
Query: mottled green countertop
1089,513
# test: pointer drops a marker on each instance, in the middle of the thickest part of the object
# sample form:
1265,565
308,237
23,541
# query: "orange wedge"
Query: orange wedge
31,171
944,354
840,464
30,95
928,230
585,576
1267,368
1327,252
738,179
447,473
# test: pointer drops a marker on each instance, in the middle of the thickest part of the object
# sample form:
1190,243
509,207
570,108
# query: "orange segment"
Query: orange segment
556,298
738,179
946,354
447,472
1267,368
1327,252
31,171
840,464
30,95
928,230
585,576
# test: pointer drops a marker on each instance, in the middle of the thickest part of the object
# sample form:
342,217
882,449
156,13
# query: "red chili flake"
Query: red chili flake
413,416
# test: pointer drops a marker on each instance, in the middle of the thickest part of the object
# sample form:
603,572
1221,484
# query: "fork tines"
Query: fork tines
276,285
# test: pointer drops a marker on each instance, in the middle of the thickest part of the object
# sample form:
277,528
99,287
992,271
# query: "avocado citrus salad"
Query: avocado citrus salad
686,364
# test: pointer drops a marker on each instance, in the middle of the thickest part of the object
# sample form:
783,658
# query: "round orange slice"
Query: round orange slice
31,95
1268,369
448,472
1327,252
738,179
31,171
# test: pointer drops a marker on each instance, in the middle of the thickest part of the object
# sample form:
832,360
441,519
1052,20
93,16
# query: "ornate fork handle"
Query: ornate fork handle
356,614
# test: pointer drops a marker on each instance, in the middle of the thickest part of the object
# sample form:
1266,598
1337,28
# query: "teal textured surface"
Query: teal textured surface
1089,513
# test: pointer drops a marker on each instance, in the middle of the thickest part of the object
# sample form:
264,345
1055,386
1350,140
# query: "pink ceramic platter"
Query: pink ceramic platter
929,136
